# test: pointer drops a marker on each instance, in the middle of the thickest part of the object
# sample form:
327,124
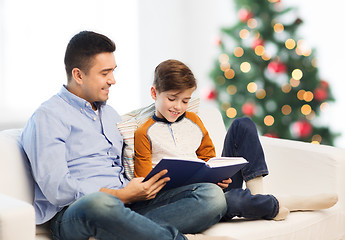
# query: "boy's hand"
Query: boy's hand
137,190
225,183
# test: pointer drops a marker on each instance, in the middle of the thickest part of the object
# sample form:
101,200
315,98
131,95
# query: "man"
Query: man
74,149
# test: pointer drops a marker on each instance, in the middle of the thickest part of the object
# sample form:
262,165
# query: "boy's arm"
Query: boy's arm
142,150
206,149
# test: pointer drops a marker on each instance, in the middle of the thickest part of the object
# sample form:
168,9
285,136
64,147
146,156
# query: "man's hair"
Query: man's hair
83,47
173,75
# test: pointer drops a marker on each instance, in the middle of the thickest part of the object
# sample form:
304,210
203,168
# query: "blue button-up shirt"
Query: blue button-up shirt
73,151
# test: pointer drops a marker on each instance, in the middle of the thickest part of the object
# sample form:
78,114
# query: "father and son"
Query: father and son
75,153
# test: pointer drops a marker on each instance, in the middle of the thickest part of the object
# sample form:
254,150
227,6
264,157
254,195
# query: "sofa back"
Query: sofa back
15,176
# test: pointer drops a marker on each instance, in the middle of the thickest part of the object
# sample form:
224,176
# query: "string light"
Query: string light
308,96
229,73
323,106
245,67
231,112
224,66
252,23
223,58
259,50
294,82
220,80
252,87
224,106
278,27
269,120
300,94
290,43
297,74
286,109
286,88
311,115
261,94
231,89
244,34
238,52
306,109
316,139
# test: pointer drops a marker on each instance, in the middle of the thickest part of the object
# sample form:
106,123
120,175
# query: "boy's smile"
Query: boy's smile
171,104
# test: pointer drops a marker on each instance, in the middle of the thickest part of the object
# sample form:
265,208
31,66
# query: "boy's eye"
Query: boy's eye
171,99
185,102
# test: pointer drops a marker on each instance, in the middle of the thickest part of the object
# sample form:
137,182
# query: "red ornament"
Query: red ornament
218,41
244,15
302,129
324,84
248,109
276,67
272,135
258,42
320,94
210,94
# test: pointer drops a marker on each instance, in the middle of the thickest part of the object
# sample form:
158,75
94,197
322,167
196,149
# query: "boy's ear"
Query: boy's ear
153,93
77,75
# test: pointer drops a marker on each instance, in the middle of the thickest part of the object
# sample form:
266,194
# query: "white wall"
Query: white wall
146,33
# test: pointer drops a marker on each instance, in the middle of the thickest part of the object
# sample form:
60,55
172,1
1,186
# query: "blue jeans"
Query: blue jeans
242,140
188,209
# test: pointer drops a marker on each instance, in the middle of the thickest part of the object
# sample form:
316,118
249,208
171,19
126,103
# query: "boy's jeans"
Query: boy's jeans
188,209
242,140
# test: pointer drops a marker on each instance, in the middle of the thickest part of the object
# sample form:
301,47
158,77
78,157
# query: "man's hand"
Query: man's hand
225,183
137,190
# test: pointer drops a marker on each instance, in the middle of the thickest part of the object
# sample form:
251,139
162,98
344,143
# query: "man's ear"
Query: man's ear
77,74
153,93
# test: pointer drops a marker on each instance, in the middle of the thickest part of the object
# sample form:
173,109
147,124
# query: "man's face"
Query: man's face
97,81
171,104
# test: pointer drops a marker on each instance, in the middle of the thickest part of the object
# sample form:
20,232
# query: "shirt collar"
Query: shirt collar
166,121
76,101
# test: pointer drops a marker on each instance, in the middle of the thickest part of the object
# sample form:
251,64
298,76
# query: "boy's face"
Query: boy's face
171,104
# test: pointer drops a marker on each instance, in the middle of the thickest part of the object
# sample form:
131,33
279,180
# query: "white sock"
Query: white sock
308,203
256,185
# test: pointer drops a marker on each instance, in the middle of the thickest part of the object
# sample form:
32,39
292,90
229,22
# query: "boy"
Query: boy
174,132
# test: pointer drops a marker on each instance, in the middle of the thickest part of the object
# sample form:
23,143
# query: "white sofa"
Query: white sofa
296,168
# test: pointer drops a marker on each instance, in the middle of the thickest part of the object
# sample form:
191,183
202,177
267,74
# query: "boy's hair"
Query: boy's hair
173,75
83,47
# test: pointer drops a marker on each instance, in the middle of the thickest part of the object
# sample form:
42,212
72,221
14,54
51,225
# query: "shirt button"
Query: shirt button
87,104
94,118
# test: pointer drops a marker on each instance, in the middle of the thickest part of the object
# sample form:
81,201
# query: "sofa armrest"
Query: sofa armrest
301,168
17,219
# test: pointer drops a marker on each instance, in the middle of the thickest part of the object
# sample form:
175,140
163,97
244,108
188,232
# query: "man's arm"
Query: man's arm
43,140
137,190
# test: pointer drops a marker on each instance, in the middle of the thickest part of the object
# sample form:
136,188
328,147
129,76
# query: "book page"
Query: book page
225,161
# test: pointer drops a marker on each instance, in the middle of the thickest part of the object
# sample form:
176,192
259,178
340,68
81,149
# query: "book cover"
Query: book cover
183,172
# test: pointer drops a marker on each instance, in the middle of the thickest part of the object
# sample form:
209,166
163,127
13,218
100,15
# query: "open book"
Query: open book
183,172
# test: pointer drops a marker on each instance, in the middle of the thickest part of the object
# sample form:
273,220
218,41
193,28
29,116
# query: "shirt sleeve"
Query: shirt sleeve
206,149
142,150
43,140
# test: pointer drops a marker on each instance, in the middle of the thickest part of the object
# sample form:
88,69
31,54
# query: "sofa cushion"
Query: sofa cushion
16,180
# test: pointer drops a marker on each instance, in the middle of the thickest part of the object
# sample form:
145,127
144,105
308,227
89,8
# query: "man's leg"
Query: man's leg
242,140
105,217
191,209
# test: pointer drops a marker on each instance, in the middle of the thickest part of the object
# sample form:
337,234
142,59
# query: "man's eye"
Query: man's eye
171,99
185,102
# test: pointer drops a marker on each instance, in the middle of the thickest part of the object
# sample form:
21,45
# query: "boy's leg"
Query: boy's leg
242,140
191,209
242,203
104,216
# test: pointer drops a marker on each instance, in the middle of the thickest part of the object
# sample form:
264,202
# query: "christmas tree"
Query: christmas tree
265,72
